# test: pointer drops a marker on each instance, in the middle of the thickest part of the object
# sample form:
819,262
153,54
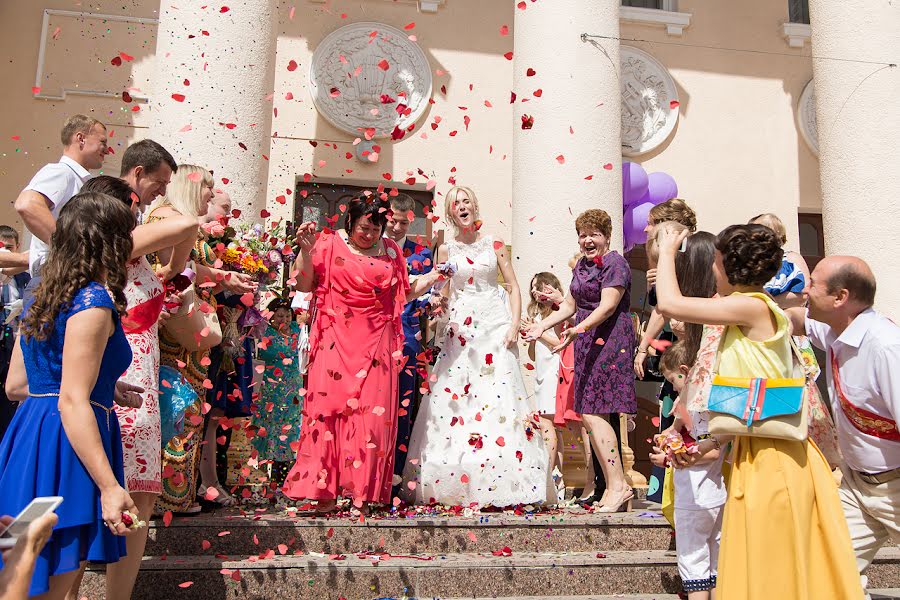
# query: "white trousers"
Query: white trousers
873,516
697,534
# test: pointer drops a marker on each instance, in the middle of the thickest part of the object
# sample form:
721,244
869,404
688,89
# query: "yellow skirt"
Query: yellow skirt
784,533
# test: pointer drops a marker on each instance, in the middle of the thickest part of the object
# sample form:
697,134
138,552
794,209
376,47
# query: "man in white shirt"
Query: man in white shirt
863,370
84,148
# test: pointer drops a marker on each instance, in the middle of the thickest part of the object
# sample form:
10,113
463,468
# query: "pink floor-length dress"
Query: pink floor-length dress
349,423
140,426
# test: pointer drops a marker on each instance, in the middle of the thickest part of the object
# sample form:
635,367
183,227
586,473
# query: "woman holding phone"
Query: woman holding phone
65,439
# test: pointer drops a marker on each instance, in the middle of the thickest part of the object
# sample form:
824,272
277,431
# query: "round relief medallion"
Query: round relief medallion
806,117
370,77
649,102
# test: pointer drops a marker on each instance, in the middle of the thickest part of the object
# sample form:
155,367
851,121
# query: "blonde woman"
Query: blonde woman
477,439
189,194
789,285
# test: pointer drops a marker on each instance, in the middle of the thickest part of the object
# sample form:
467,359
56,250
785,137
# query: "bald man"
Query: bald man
219,206
863,367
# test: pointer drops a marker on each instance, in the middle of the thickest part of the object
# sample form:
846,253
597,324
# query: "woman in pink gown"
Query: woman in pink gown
349,423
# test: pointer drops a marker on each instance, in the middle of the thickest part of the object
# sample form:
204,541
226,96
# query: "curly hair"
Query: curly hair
92,242
676,210
751,254
595,218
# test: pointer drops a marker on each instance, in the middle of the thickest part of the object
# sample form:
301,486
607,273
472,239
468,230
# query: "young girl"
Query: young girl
280,405
699,487
552,372
784,534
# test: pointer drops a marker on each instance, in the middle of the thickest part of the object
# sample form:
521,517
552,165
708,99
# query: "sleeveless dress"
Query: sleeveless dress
350,414
784,533
181,456
546,378
279,404
36,458
141,439
476,439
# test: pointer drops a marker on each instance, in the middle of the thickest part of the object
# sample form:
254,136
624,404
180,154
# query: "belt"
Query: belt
879,478
109,410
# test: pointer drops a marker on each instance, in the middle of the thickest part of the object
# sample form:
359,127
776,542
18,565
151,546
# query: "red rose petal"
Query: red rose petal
178,97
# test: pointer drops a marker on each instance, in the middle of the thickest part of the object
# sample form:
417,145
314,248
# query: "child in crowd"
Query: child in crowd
554,372
280,404
699,486
788,285
546,367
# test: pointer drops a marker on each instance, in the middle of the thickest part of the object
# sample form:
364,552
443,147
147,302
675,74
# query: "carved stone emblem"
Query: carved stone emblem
806,117
370,76
649,102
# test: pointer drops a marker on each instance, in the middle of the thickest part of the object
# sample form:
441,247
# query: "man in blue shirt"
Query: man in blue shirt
419,260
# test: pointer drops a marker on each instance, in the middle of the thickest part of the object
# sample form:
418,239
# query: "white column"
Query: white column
577,117
859,134
221,63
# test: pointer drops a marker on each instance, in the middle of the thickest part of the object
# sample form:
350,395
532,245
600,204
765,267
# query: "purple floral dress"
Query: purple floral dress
604,378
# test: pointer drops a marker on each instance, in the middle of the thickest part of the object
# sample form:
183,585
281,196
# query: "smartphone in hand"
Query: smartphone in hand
36,509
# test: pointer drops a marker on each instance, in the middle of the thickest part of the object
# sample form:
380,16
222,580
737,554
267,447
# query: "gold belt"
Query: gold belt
107,410
879,478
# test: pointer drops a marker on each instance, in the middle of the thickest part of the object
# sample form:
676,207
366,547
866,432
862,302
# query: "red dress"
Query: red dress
565,392
349,424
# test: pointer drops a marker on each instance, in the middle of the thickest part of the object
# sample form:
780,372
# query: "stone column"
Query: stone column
210,106
859,128
558,164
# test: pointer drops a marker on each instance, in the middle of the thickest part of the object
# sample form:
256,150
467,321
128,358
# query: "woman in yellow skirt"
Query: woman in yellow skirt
784,533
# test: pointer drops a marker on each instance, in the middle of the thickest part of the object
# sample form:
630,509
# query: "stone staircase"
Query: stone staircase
272,554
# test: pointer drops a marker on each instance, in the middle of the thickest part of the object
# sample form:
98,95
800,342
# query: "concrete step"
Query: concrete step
458,575
240,533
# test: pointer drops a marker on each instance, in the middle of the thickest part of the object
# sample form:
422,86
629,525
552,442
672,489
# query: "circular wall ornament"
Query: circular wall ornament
649,102
806,117
369,77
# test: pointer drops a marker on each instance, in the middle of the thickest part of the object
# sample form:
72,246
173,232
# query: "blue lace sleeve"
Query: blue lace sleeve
93,295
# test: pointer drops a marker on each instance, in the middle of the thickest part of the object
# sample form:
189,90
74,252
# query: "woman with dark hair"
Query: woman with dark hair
278,412
141,436
350,415
599,300
784,534
65,439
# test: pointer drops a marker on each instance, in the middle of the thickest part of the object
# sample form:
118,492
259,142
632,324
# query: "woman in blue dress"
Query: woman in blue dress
64,440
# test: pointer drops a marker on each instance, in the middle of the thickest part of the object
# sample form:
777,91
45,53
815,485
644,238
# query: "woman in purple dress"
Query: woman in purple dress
599,299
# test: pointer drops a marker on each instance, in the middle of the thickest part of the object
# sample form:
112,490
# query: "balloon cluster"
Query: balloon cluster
641,192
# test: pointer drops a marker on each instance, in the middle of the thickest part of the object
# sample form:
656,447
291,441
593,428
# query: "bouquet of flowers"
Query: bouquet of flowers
673,442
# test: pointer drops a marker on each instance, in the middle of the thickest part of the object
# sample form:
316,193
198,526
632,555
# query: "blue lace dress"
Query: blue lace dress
36,458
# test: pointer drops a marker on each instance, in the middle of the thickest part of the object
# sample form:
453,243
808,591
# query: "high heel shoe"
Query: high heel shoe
623,504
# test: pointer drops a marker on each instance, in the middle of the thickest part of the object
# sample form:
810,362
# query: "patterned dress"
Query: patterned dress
280,405
141,426
604,375
181,456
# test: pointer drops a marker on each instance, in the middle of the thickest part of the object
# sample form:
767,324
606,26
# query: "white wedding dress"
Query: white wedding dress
475,439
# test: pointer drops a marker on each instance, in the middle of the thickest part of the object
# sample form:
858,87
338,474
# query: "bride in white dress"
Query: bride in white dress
476,438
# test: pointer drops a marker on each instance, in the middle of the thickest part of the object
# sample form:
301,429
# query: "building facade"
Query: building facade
717,94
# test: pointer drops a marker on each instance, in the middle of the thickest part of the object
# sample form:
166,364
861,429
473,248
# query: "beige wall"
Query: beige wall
735,152
78,58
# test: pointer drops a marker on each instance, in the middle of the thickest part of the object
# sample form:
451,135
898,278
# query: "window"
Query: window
643,3
798,11
812,238
321,202
669,5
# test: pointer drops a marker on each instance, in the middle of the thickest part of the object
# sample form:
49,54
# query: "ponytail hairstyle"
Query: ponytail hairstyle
92,242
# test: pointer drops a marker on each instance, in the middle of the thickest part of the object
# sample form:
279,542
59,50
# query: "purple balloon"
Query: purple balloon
634,183
661,187
635,221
